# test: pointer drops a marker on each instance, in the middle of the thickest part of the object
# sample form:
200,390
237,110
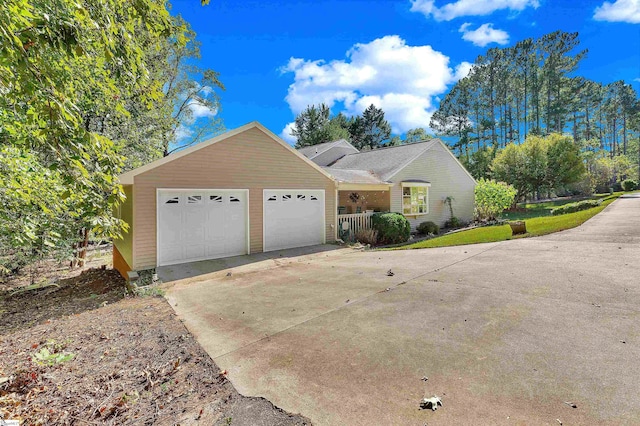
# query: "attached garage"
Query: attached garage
293,218
201,224
243,192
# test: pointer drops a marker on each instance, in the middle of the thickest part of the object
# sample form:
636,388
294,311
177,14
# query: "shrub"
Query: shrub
454,222
392,228
492,198
629,185
367,236
428,228
575,207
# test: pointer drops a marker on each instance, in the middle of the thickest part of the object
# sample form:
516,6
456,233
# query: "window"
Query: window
233,199
301,197
174,200
194,199
286,197
314,198
272,198
415,200
215,198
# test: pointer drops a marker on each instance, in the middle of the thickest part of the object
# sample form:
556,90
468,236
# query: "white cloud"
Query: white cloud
200,111
286,134
483,35
619,11
469,7
403,80
182,133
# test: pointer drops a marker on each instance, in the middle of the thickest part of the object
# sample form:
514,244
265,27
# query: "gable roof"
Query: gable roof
127,178
314,150
384,162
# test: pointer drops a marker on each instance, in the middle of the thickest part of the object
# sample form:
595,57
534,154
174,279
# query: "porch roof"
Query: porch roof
351,179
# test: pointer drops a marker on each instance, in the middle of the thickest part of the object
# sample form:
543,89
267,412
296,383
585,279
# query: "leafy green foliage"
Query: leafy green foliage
85,85
453,222
629,185
492,198
315,125
392,228
575,207
52,353
540,163
428,228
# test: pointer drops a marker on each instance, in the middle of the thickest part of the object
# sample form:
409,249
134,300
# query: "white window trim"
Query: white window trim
415,185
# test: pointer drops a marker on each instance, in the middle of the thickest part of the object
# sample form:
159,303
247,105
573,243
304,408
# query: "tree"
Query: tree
374,128
310,126
492,198
67,70
417,135
565,164
189,91
510,166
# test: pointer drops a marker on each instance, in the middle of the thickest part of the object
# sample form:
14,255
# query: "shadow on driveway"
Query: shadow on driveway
199,269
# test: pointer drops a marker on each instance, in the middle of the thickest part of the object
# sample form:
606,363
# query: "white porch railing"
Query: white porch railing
356,222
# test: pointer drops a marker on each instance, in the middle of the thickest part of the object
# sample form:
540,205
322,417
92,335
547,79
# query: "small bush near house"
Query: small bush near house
428,228
629,185
575,207
492,198
454,222
367,236
392,228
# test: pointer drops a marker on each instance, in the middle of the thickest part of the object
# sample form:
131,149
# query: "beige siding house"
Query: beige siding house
195,190
247,191
412,179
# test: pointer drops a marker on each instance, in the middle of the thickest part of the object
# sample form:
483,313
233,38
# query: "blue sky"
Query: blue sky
276,57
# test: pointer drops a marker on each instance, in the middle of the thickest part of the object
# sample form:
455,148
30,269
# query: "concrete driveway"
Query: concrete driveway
506,333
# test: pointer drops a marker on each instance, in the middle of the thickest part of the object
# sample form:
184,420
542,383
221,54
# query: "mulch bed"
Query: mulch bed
129,361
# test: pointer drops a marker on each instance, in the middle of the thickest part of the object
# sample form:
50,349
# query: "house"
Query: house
412,179
247,191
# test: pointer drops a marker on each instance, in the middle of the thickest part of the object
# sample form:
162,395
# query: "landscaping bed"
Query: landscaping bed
536,226
126,361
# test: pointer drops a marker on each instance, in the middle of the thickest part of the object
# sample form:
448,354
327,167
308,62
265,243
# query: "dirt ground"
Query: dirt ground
81,352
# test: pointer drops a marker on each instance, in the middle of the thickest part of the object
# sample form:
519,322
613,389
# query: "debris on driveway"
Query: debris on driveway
571,404
431,403
424,378
390,273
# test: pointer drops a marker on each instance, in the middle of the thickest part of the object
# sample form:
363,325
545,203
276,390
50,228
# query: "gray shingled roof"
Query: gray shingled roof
353,176
383,162
313,150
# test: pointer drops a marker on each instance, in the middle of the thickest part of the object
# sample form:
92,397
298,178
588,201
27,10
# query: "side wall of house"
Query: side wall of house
123,247
448,178
249,160
333,154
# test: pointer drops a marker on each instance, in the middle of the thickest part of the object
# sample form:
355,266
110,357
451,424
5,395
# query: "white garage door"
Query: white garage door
293,218
201,224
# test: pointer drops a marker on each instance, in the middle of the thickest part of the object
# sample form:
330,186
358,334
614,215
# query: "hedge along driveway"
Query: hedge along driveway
535,227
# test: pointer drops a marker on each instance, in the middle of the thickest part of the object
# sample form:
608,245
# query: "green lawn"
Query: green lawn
536,226
544,209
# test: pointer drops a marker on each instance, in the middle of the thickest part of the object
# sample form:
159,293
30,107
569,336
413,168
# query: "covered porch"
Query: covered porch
358,202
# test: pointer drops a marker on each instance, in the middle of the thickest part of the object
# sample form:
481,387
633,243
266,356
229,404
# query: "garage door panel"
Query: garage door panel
293,218
201,224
